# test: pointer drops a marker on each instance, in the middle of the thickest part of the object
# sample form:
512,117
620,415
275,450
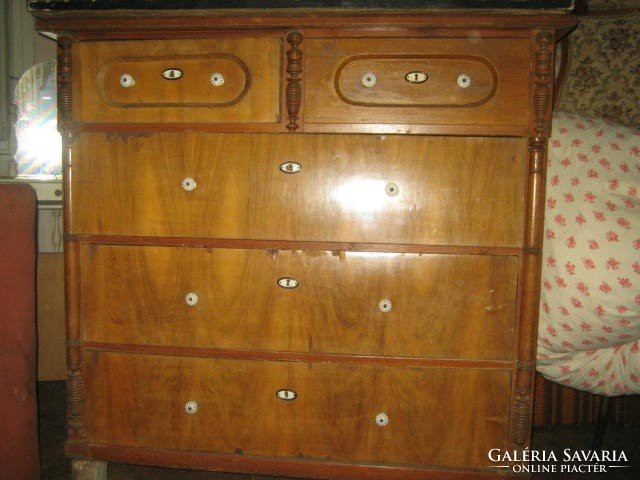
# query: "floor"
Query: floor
55,466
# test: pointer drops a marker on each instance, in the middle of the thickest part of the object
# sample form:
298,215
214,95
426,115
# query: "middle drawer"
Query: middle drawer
410,305
338,188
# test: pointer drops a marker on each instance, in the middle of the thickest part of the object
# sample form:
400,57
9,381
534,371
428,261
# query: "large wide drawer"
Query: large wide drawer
409,305
472,81
214,80
379,189
362,413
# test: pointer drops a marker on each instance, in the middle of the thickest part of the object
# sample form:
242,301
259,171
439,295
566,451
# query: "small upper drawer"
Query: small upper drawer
206,80
433,81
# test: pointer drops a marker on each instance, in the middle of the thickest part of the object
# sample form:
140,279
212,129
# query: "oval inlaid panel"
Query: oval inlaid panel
425,81
175,81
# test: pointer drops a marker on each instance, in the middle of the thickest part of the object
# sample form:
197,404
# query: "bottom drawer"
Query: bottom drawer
362,413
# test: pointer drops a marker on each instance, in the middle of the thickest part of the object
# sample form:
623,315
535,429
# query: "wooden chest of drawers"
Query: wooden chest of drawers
303,243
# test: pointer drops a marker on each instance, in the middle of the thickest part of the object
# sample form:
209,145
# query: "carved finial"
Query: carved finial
294,89
543,70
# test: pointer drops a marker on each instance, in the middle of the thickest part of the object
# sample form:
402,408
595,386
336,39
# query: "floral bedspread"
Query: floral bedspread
589,330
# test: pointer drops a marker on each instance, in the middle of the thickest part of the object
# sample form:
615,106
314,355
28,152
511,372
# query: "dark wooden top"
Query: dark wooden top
66,5
91,19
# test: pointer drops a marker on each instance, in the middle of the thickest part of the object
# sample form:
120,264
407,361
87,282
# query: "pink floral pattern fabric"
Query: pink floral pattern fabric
589,330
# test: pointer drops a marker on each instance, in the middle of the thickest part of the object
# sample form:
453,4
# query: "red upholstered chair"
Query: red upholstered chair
19,459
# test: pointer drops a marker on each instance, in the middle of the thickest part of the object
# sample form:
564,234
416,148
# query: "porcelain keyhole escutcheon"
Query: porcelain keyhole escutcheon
416,77
288,283
172,73
290,168
286,394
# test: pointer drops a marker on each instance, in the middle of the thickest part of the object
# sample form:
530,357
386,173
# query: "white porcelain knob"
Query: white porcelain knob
392,189
191,298
385,305
464,80
127,80
189,184
382,419
216,79
191,407
369,80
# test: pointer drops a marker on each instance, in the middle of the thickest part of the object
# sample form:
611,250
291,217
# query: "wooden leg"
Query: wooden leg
88,470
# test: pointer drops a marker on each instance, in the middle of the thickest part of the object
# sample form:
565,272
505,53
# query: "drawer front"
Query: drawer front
382,189
206,80
406,305
452,81
247,407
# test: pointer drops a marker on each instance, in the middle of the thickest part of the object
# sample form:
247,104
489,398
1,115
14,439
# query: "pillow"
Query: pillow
603,71
589,330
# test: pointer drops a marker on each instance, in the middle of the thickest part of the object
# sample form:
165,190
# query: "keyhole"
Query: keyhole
288,282
290,167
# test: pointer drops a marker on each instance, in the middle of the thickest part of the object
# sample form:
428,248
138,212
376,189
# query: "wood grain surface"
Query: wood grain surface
442,306
139,400
447,190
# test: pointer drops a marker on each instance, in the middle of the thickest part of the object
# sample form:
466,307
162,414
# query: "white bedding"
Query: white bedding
589,330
